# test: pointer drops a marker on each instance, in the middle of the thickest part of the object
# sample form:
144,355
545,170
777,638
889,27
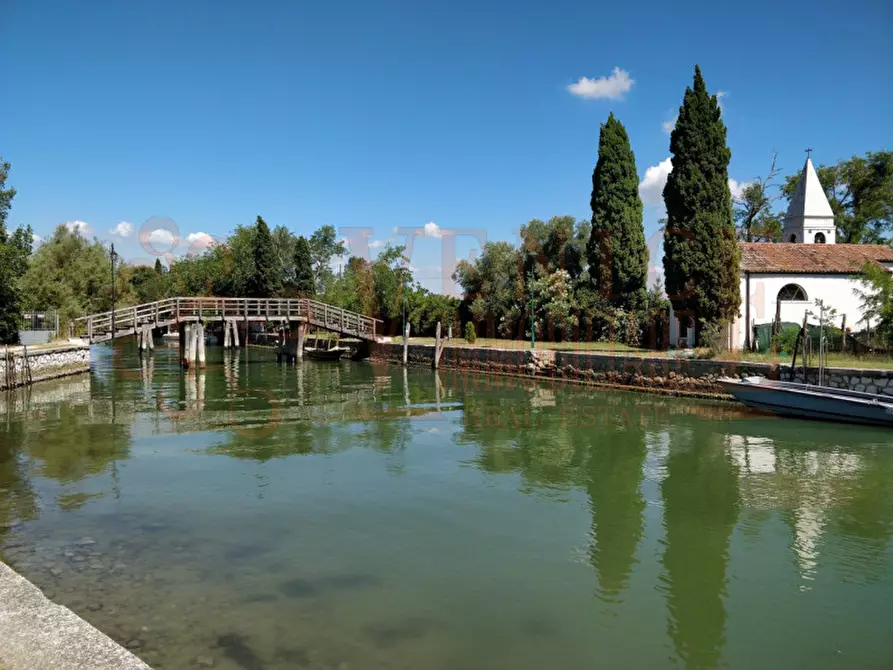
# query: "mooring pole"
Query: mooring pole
406,344
112,256
438,346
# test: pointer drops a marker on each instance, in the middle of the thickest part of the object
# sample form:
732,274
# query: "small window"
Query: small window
792,292
793,238
819,238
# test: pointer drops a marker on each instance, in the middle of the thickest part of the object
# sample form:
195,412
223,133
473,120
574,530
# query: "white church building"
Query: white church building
786,278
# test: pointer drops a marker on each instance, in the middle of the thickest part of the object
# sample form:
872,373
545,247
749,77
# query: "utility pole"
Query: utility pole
532,256
113,294
532,321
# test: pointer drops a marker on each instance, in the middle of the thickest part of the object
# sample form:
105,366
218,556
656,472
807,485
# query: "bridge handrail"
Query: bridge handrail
176,309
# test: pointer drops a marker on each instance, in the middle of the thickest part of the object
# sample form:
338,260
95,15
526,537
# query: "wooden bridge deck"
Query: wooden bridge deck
172,311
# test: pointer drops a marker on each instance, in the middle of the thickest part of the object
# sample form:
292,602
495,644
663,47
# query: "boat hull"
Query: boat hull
805,402
325,354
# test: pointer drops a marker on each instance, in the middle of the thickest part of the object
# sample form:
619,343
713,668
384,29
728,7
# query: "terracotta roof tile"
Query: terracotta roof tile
768,257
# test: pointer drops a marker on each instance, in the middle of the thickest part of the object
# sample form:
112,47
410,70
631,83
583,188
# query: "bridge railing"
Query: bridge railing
175,310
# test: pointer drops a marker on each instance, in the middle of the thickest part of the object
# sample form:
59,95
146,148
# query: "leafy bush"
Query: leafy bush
786,340
470,333
714,337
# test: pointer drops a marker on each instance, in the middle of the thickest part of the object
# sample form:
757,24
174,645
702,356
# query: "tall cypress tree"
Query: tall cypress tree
701,257
617,253
304,280
267,279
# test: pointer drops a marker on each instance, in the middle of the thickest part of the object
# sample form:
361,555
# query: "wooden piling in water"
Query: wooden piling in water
299,351
200,344
438,346
406,344
190,345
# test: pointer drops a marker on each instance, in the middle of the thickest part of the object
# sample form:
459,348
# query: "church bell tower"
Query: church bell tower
809,219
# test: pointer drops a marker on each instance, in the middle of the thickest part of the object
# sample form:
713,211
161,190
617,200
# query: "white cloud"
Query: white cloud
651,188
161,237
79,227
36,239
425,270
432,230
719,96
737,188
611,87
669,125
123,229
198,241
377,244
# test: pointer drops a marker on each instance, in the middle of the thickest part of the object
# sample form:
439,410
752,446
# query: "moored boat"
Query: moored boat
333,354
807,401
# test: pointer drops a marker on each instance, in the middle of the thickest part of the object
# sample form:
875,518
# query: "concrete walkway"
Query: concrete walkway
37,634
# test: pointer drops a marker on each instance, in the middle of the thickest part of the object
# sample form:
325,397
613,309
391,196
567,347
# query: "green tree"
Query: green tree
617,253
284,242
556,244
553,303
324,246
754,213
267,278
147,284
701,257
72,274
305,281
391,280
754,217
494,287
14,251
876,300
860,191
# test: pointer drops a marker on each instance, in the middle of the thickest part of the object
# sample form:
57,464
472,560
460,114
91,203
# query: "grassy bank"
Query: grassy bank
609,348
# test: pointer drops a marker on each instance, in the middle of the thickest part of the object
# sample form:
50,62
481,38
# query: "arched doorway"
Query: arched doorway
819,238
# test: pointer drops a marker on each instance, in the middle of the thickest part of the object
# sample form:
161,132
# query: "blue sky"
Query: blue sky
389,115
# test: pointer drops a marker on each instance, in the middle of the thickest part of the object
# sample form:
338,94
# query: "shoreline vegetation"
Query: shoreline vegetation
832,360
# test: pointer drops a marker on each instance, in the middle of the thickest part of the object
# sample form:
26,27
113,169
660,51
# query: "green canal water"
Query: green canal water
355,515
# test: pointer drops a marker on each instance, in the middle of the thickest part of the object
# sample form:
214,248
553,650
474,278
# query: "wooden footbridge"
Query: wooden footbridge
171,312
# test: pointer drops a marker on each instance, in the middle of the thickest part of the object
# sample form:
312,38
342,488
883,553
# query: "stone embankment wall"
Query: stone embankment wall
657,373
20,366
37,634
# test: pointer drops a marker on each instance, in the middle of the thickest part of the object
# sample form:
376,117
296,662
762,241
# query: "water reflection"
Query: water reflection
477,503
615,467
701,505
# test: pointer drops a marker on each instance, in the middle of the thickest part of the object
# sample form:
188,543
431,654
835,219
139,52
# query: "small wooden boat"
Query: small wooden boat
328,353
807,401
333,354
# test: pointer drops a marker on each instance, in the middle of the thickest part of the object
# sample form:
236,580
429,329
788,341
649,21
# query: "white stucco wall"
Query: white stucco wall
836,290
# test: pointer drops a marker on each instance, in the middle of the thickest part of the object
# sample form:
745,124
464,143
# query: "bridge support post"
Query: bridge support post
140,341
235,334
200,344
227,336
181,328
299,350
189,361
150,343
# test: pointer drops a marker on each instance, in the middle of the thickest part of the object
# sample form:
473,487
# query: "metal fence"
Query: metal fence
40,320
